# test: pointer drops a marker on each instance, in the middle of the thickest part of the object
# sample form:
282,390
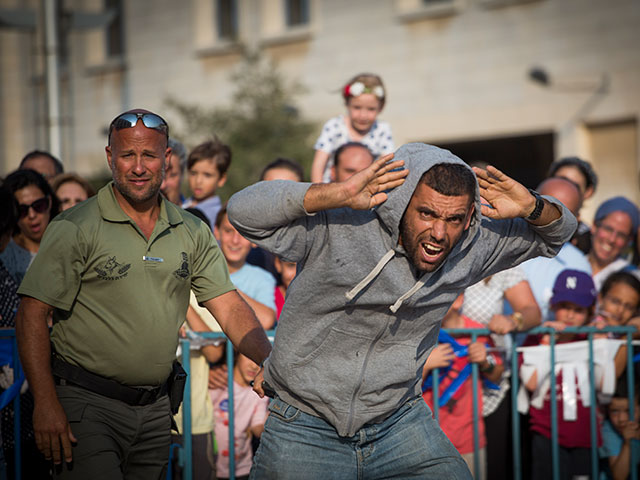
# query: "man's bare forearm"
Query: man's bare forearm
240,324
32,334
266,316
324,196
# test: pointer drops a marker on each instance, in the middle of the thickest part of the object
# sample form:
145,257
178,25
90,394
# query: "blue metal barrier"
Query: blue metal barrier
185,454
517,457
17,452
590,331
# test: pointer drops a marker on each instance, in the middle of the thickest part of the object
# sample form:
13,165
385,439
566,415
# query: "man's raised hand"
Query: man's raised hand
366,189
508,198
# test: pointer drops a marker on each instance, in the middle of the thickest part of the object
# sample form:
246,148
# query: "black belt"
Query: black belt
67,374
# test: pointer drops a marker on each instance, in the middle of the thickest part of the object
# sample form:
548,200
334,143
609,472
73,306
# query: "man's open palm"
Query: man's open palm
366,189
508,198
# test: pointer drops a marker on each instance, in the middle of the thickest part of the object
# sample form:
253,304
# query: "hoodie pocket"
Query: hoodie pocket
391,371
330,372
333,372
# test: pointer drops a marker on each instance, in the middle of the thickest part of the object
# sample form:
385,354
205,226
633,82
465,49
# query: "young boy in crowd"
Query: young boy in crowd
254,284
619,432
456,416
572,302
250,413
207,167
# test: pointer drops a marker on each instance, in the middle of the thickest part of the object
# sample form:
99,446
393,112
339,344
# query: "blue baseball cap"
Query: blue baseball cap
576,287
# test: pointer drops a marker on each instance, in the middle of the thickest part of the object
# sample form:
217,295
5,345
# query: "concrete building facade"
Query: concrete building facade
456,72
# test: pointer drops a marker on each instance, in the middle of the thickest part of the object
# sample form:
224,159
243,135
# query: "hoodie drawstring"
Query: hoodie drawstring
372,274
418,285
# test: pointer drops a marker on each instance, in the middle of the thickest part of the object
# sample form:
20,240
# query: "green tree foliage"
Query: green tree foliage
261,123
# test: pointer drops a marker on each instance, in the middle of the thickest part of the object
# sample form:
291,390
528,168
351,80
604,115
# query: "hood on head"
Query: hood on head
418,158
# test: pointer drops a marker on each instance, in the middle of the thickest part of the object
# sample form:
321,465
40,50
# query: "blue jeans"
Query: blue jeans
408,444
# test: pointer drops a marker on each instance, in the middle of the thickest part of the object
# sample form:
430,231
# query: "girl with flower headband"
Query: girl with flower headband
364,95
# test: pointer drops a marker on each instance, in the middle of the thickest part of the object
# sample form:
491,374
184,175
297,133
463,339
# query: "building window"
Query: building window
62,35
227,19
297,12
115,30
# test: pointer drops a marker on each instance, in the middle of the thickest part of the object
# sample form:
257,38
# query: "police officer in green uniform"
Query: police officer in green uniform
115,272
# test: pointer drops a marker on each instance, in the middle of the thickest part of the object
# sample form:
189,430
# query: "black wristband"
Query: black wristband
537,211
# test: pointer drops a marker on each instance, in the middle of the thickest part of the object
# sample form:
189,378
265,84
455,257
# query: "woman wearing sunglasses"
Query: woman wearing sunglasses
36,205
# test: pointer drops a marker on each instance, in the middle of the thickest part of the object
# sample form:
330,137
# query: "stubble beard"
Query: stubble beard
411,245
138,197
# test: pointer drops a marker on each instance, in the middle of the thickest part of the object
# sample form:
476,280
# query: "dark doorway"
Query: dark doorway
525,158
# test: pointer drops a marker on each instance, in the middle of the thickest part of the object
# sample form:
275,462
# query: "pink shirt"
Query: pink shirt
249,410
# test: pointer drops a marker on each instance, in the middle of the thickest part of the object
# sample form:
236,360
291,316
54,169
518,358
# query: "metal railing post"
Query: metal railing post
555,460
17,433
231,406
187,447
632,409
436,394
592,411
476,420
515,415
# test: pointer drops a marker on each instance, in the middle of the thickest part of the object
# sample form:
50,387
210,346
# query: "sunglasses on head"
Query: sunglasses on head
39,206
149,120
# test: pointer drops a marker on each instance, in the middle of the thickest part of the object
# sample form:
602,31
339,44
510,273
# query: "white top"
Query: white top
335,134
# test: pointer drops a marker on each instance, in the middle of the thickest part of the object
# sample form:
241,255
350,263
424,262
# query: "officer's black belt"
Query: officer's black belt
67,374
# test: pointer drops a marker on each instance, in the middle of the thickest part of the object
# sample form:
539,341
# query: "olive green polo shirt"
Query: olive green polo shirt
119,298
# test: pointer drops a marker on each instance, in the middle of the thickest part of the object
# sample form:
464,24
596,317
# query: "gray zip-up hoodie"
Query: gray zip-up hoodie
359,321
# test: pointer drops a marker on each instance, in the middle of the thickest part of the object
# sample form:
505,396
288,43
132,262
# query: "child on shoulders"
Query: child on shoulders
364,96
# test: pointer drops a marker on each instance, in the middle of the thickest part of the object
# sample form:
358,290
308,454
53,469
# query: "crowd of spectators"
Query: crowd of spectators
592,281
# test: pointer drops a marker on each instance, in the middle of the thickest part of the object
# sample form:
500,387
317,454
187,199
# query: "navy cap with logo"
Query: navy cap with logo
576,287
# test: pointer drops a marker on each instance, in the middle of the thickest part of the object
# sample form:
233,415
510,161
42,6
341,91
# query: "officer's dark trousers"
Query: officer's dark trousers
115,440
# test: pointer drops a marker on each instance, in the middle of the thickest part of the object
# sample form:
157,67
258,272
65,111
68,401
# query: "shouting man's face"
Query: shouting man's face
431,226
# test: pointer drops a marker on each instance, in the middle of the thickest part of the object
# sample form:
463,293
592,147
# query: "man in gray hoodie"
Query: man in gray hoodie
380,259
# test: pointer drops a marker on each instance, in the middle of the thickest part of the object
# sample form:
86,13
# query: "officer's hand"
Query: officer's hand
52,432
257,383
